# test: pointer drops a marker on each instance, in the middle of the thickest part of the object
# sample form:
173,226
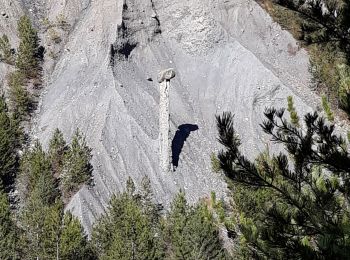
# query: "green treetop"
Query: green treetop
126,232
36,174
73,241
57,151
27,61
9,233
8,144
20,98
191,232
6,53
77,166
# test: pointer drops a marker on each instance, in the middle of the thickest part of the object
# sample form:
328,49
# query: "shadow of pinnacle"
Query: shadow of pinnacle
182,133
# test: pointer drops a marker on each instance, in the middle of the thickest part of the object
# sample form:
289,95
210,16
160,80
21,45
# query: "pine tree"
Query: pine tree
9,247
290,210
8,145
176,230
20,98
35,172
27,61
73,241
41,211
205,239
191,233
77,166
126,232
48,233
57,151
149,206
51,230
6,53
41,224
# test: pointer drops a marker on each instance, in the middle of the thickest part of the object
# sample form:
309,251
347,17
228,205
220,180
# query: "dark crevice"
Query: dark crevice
40,53
125,6
122,48
126,49
157,29
128,32
111,55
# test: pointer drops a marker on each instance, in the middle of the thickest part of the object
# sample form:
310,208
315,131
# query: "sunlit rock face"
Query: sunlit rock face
228,56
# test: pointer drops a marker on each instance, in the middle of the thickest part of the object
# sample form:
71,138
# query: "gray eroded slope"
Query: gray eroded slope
228,55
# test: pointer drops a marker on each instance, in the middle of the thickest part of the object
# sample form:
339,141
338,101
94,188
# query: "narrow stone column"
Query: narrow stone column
164,78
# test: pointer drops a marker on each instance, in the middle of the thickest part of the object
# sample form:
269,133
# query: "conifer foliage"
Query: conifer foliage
27,67
292,111
128,231
21,100
47,232
57,151
42,210
9,246
73,241
134,226
323,21
293,206
191,232
77,166
6,53
323,27
8,144
27,60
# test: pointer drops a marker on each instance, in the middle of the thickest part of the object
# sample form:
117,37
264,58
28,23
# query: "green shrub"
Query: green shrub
77,169
293,113
327,109
215,163
8,145
344,87
6,54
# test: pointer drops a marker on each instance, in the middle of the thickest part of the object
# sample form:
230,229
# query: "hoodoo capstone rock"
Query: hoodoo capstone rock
167,75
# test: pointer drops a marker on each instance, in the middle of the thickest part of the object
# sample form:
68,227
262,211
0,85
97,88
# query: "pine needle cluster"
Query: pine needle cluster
292,205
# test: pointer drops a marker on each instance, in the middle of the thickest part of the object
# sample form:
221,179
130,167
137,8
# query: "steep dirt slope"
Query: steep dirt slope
228,55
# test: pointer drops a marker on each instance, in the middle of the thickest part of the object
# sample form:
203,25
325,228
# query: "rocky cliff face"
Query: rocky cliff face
228,55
